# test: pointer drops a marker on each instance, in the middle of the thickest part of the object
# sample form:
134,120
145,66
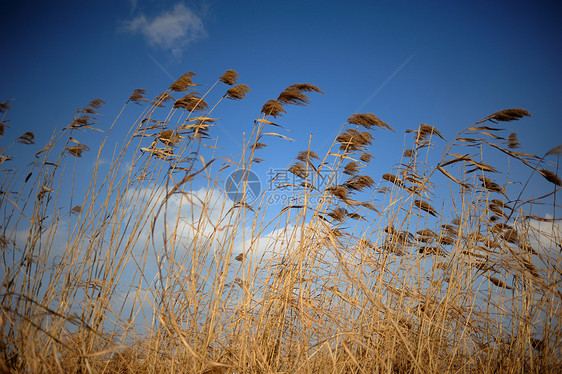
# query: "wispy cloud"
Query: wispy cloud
172,30
134,4
545,236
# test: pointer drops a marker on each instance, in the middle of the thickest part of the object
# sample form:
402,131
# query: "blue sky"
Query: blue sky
444,63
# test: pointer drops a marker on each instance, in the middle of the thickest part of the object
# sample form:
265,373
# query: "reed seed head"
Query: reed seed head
336,233
500,203
307,87
393,178
77,150
408,153
4,106
550,176
230,77
497,210
356,216
183,82
513,142
292,95
82,121
238,92
27,138
368,120
96,103
425,130
555,151
137,96
366,157
369,206
364,243
390,230
359,182
338,191
499,283
353,140
489,185
169,137
426,235
338,214
446,240
258,145
273,108
425,206
306,156
160,99
428,250
351,168
509,115
295,95
191,102
395,248
299,169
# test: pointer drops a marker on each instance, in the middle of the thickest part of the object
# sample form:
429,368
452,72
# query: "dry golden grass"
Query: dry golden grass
409,271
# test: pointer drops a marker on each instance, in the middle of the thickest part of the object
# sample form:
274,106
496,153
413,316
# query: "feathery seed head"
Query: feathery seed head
299,169
306,156
367,120
366,157
338,191
408,153
509,115
183,82
273,108
191,102
359,182
258,145
351,168
230,77
238,92
27,138
96,103
550,176
4,106
338,214
295,95
513,142
160,99
393,179
137,96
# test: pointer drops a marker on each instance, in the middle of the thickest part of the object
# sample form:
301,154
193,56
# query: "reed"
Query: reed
442,264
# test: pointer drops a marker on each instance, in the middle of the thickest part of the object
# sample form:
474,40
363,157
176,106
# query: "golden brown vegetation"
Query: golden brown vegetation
432,267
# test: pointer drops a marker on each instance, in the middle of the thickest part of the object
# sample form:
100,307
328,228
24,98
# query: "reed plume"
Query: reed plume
368,120
230,77
183,82
238,92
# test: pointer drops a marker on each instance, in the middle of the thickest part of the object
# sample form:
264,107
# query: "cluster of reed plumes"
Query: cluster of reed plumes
438,265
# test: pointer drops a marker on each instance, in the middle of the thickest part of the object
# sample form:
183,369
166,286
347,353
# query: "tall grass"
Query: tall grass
438,265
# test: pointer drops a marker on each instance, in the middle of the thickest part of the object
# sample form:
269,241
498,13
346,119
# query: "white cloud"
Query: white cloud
277,242
172,30
546,236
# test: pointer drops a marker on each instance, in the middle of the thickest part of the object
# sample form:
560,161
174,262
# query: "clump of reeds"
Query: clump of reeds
433,266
